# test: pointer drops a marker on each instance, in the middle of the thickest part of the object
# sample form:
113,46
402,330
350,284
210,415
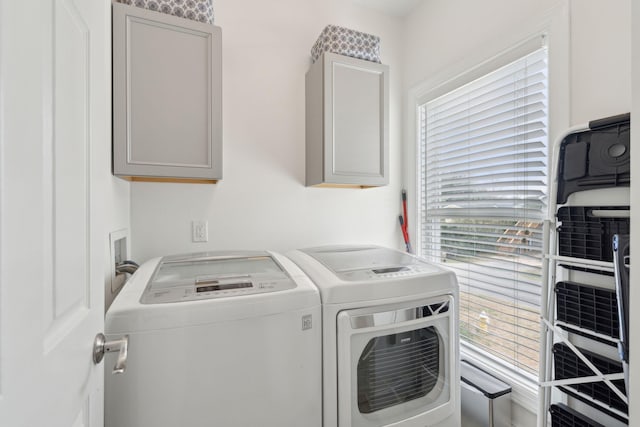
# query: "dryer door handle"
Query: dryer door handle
102,346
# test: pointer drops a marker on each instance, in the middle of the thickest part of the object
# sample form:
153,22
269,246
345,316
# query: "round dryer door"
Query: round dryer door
395,363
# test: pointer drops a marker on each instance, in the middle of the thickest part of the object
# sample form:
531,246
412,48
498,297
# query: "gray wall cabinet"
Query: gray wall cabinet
347,122
167,97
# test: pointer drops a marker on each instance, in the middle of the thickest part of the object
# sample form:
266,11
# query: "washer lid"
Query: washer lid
369,262
215,275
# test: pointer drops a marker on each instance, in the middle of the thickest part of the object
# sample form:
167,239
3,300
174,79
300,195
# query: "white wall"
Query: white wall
116,195
445,37
261,202
118,198
445,33
600,59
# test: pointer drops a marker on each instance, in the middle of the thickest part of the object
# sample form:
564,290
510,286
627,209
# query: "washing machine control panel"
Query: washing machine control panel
179,280
221,290
223,287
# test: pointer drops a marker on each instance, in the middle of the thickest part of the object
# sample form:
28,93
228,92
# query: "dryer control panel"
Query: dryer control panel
359,263
208,275
389,272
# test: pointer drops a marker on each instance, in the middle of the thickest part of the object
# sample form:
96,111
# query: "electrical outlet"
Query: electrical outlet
199,231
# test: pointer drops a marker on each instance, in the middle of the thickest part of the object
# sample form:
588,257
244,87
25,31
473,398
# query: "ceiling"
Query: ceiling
398,8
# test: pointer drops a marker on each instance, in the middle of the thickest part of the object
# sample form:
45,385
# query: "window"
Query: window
483,199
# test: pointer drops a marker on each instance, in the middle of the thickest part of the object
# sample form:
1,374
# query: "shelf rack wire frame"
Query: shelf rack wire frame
548,306
549,330
599,336
599,376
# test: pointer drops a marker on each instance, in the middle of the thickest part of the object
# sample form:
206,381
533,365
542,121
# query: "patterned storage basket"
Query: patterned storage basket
347,42
196,10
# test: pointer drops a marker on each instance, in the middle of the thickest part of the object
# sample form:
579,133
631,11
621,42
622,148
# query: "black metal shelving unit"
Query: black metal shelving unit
585,332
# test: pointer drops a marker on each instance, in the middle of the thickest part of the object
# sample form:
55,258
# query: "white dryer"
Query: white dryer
390,337
216,339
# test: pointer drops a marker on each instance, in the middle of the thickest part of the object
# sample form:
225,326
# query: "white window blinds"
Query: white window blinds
484,185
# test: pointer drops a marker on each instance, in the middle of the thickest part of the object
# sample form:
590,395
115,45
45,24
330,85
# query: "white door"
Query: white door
54,163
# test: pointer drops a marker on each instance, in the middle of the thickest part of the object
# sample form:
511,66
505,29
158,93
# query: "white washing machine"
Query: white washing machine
216,339
390,337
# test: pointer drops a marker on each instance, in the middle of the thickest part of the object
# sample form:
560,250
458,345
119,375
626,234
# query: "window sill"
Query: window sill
524,390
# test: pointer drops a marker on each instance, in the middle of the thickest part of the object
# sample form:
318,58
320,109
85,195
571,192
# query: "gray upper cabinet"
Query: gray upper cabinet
347,122
167,97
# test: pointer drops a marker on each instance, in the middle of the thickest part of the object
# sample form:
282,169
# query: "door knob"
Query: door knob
102,346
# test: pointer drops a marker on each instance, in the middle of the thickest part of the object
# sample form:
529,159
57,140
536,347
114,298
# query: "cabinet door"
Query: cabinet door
167,96
356,121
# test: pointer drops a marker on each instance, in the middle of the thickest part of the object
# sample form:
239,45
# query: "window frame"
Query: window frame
438,193
554,29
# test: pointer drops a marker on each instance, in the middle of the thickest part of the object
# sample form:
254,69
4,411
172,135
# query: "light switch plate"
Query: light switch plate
199,231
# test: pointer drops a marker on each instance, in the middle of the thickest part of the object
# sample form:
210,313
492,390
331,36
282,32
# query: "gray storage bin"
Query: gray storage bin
348,42
486,400
196,10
